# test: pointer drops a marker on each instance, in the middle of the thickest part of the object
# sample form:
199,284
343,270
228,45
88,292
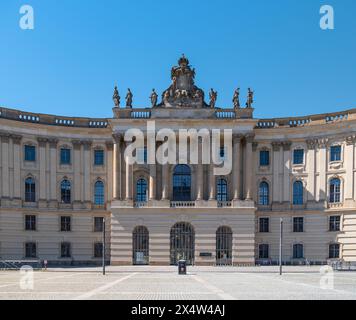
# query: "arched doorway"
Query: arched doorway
223,246
182,243
140,246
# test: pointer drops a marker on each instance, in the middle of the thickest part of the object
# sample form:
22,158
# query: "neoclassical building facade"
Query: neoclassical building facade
61,176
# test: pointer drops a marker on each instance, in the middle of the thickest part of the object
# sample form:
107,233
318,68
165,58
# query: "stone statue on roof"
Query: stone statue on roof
116,97
236,98
153,98
128,98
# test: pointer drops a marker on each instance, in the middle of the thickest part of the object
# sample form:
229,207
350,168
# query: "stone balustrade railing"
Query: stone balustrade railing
48,119
147,113
182,204
224,204
140,204
308,120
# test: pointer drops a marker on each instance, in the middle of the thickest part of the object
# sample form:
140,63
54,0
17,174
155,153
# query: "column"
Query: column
286,171
349,165
128,178
117,166
200,174
249,168
212,183
42,144
5,165
236,139
311,169
53,170
165,179
16,139
276,147
152,187
109,168
77,165
87,166
322,171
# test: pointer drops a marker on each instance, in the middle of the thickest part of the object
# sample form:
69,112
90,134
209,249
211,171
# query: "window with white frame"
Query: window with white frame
334,223
335,190
334,251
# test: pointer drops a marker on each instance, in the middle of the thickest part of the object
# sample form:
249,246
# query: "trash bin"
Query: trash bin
182,267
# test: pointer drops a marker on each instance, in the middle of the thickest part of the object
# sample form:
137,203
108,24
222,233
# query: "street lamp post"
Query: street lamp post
280,246
103,246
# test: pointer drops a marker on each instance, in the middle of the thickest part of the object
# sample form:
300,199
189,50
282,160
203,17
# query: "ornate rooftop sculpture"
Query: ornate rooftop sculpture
183,92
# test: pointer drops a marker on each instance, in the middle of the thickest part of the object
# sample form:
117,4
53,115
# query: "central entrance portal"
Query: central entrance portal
182,243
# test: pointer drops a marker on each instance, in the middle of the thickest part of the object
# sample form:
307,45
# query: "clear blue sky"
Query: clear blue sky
78,51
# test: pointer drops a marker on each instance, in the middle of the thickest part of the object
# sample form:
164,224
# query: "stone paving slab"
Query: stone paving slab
157,283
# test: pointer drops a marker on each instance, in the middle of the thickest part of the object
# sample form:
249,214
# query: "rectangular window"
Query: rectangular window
65,156
334,223
98,250
30,153
98,224
65,223
264,158
263,251
335,153
30,250
98,157
298,251
264,224
141,155
334,251
30,223
298,156
298,224
65,250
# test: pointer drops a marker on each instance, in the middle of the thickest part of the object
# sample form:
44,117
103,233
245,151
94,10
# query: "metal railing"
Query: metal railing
17,264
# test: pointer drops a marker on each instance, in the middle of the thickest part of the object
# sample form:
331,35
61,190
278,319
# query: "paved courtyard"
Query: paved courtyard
201,283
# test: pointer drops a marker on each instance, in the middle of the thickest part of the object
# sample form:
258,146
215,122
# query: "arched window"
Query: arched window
221,194
140,245
335,190
182,243
30,190
65,191
298,192
181,183
99,193
263,194
224,246
141,190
